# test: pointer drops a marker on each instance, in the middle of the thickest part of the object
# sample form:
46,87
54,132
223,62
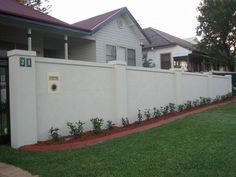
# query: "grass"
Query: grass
203,144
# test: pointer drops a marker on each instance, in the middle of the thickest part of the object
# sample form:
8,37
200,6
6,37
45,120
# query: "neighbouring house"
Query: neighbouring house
115,35
192,40
169,52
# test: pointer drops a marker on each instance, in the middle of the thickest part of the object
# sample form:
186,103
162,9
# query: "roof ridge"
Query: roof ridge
117,11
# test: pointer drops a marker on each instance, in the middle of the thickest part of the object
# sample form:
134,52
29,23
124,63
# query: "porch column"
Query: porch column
29,40
66,47
172,62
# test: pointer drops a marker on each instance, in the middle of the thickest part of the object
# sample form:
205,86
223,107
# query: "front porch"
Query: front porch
46,43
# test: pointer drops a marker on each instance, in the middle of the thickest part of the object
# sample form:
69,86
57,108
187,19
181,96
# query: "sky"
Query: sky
176,17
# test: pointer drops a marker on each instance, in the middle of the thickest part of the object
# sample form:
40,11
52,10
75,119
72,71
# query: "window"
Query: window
110,53
165,61
121,54
131,57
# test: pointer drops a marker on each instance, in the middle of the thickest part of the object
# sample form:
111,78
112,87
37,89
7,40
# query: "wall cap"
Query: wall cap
117,62
15,52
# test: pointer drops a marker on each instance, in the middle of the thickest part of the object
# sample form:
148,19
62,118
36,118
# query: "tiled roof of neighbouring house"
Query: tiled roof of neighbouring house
162,39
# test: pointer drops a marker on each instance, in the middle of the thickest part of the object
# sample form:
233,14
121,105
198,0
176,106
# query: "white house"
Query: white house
169,52
115,35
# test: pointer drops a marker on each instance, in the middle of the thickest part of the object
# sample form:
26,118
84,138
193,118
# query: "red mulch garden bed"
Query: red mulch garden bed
90,138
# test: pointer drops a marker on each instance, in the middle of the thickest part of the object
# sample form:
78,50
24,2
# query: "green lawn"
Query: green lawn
200,145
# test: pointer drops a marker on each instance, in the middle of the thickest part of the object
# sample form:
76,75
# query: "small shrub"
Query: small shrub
76,128
171,107
140,116
125,121
208,100
217,98
181,107
188,105
203,100
54,133
97,124
196,103
110,125
229,95
165,110
156,113
147,114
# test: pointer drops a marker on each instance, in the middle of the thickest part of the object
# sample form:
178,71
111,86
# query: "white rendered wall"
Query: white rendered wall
148,88
88,89
193,86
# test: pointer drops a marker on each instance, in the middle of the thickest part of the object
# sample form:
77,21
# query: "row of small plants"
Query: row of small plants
173,108
76,128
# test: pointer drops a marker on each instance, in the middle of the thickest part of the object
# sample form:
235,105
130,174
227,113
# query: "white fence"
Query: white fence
86,90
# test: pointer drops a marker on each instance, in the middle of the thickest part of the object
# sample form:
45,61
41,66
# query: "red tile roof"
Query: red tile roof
92,24
12,7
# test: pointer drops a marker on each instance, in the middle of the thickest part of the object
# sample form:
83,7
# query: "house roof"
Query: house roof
12,7
93,23
161,39
15,9
96,23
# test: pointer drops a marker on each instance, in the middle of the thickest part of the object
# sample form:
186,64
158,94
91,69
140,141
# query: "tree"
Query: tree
217,27
40,5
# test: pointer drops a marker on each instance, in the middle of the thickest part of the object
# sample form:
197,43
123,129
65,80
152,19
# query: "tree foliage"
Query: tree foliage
217,27
40,5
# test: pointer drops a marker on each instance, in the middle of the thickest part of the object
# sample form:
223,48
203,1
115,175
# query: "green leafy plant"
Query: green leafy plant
125,121
165,110
97,124
147,114
76,128
203,101
217,98
54,133
172,107
110,125
188,105
195,103
180,107
140,116
156,113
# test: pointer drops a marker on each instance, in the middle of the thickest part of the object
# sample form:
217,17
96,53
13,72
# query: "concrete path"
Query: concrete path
7,170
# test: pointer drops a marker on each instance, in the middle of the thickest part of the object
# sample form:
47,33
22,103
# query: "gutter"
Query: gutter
42,25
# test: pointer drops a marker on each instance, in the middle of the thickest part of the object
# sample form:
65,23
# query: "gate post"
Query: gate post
22,91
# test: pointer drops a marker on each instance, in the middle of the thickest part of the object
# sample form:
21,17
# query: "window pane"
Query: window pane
121,54
110,53
131,57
